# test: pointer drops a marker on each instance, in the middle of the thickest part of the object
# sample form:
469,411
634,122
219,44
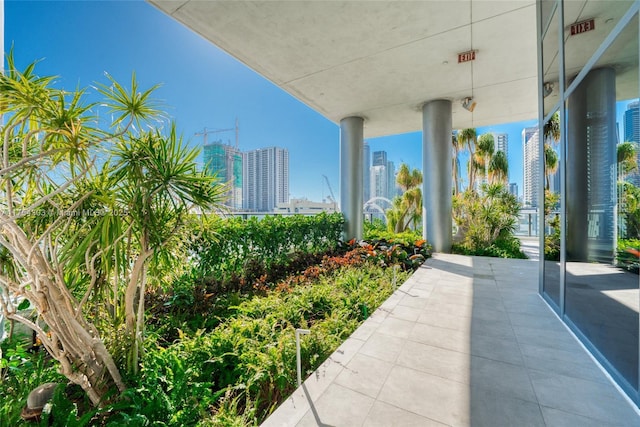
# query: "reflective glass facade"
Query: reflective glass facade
588,63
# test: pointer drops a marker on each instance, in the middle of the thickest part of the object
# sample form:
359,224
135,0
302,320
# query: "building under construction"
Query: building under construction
258,179
225,162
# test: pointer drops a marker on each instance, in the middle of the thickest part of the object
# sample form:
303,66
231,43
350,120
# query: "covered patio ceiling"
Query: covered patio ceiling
382,60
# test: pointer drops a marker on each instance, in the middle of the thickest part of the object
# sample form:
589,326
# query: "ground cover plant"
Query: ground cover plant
376,230
628,254
236,370
249,358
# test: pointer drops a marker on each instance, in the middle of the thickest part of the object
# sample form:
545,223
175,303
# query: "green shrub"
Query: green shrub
628,210
552,222
503,248
487,222
627,255
235,247
376,224
20,372
237,373
405,238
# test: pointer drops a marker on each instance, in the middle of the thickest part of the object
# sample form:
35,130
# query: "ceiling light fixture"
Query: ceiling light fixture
547,89
469,104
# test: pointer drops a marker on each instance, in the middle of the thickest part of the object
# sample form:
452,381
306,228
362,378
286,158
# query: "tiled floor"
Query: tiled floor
466,341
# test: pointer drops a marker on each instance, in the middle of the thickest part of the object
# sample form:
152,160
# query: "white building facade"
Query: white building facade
266,179
531,163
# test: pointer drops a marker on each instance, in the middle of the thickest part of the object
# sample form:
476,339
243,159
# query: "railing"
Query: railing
260,215
527,223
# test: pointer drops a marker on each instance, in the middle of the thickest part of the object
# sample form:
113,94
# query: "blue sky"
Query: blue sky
201,85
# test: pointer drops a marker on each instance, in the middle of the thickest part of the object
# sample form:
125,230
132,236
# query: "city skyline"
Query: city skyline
201,86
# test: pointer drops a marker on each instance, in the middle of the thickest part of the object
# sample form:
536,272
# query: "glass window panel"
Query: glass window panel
602,288
546,9
551,65
587,24
552,162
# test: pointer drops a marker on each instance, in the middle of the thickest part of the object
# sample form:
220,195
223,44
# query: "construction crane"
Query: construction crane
332,197
205,133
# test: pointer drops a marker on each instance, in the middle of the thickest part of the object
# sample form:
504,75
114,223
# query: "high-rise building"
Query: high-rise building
225,162
632,134
379,181
266,179
531,163
632,122
513,188
366,174
391,180
501,142
379,158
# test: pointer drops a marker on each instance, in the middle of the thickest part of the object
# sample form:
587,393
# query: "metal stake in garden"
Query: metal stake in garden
298,333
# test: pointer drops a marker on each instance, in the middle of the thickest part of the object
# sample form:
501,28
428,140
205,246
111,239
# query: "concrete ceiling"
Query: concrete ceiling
382,59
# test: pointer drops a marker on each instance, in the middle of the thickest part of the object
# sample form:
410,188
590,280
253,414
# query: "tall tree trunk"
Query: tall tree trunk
134,312
70,339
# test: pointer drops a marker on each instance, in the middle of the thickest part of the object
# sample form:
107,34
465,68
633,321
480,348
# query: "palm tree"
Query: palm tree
551,132
627,153
155,180
551,163
469,138
407,179
407,208
458,145
124,216
51,139
499,168
486,148
551,129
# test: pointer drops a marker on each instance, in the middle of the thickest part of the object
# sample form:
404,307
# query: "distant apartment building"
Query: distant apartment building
513,189
392,190
305,207
501,142
379,158
266,179
631,124
531,164
379,181
382,177
225,162
366,177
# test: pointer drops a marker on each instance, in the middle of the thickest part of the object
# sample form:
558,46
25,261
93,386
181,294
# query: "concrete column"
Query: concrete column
436,170
591,168
351,169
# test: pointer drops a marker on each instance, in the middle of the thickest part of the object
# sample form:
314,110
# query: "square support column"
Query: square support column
436,172
351,179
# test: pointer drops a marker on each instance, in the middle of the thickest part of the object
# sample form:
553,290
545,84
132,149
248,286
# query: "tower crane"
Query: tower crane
205,133
333,197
